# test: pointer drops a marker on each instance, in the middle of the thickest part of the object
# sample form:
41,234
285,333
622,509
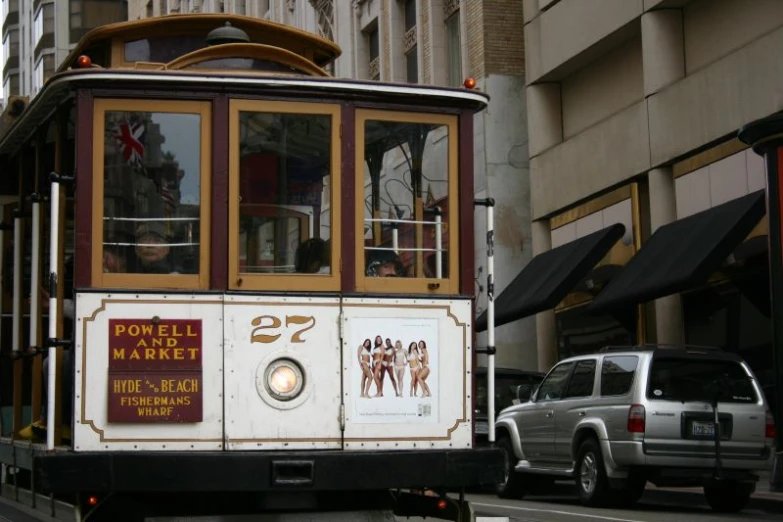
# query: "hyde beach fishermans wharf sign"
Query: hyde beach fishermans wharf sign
155,371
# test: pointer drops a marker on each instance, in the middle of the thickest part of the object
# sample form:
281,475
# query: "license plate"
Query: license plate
482,428
702,429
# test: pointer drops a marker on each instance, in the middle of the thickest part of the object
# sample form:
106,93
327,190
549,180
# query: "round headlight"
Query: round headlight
284,379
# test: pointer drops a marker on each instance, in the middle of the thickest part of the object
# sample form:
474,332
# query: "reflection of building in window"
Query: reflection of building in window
143,182
406,194
285,165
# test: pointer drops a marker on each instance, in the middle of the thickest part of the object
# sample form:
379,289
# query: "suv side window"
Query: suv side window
553,387
617,374
581,382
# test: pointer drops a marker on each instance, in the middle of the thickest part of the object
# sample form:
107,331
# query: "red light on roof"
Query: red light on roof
84,61
93,500
470,83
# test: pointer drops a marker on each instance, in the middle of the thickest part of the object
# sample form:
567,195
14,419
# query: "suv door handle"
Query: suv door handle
582,413
550,413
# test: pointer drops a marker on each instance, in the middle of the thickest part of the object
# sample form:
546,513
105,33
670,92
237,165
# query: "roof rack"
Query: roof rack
653,346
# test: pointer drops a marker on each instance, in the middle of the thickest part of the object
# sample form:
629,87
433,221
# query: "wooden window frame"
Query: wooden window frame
281,281
199,281
410,285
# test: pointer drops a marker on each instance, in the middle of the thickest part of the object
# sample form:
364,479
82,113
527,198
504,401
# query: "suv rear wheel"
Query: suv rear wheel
592,485
511,485
728,496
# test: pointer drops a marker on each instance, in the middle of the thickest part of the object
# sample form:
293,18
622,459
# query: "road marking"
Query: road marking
569,513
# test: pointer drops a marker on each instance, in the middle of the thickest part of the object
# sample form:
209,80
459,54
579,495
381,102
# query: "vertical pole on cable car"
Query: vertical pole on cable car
3,227
16,325
35,285
54,248
490,204
438,243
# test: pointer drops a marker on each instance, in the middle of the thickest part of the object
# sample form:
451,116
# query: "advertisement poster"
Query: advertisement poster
394,370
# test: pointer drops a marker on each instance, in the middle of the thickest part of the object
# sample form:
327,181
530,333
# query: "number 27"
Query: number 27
271,322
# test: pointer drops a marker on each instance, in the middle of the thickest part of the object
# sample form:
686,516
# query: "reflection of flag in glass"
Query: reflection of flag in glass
167,195
130,138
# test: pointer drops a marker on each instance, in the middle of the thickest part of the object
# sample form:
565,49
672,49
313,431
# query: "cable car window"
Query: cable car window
408,186
284,163
162,49
154,163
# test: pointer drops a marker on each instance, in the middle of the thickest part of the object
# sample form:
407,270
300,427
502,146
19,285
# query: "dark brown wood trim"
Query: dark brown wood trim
218,278
466,212
348,189
83,206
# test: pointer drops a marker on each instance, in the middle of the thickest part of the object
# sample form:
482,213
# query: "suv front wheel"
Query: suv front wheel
592,486
512,484
728,496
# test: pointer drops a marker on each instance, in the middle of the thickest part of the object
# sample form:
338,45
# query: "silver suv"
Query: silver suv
612,421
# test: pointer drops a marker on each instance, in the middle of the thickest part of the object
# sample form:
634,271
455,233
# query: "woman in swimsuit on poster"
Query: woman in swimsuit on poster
425,368
388,363
413,359
364,355
377,365
400,362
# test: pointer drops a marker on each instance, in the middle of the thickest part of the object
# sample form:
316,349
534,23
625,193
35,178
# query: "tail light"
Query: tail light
636,416
769,430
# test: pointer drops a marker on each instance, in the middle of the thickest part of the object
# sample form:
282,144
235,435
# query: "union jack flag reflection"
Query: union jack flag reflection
130,136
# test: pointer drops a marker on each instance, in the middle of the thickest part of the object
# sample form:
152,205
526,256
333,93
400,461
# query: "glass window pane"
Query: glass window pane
581,383
554,385
152,192
682,379
617,374
455,50
406,189
410,14
412,65
284,189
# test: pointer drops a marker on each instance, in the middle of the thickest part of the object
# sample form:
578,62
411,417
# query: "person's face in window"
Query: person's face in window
386,270
151,248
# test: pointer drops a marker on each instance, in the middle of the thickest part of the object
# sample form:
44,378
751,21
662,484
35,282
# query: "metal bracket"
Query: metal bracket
64,179
487,202
489,350
54,343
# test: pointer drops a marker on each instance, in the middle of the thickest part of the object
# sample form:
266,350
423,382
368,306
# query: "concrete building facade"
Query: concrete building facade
439,42
633,110
39,34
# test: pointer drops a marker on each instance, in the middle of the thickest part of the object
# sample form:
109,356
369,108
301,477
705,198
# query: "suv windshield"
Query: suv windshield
683,379
505,390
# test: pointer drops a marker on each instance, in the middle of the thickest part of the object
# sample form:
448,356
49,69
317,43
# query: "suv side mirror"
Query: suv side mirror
524,391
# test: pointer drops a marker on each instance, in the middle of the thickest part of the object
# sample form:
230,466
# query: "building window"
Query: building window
373,44
410,14
410,39
85,15
43,27
11,44
44,69
412,66
240,7
150,11
11,86
454,48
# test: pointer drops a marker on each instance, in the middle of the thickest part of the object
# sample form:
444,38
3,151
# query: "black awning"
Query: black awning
683,254
548,278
